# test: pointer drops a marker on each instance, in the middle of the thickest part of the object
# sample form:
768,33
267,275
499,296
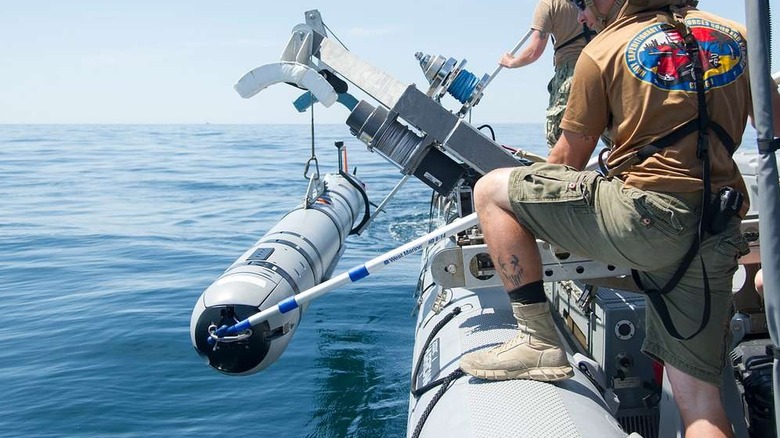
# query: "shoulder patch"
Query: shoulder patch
657,55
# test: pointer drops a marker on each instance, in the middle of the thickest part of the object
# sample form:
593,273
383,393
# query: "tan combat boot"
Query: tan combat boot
535,353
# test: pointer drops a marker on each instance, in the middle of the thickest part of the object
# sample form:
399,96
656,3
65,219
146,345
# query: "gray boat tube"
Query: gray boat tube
757,15
443,402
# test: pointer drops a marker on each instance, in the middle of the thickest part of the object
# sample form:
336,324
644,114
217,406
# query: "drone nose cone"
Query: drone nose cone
241,353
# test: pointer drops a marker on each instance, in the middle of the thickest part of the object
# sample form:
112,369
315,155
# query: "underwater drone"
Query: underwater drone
299,252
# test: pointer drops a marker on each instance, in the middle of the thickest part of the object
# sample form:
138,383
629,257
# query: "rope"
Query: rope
428,409
215,339
418,392
334,35
313,157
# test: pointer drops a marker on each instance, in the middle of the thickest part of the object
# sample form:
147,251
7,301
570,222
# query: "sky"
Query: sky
175,61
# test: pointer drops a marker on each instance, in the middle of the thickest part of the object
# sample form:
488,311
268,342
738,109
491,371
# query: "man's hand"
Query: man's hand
530,54
507,60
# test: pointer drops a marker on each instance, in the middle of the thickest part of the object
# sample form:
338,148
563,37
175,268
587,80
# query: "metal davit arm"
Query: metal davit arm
309,43
455,135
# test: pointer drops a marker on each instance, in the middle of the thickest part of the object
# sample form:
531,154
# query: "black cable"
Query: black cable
367,212
492,133
430,211
334,36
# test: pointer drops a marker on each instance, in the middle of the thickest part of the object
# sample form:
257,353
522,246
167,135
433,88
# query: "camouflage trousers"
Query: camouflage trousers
559,88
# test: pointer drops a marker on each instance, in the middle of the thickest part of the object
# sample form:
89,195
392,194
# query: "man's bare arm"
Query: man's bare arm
530,54
573,149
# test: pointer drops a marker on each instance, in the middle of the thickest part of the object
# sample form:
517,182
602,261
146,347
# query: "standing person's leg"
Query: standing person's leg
758,280
515,206
581,212
512,247
694,366
535,353
558,89
700,406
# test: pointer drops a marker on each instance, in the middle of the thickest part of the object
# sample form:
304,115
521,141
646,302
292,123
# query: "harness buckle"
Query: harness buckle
623,166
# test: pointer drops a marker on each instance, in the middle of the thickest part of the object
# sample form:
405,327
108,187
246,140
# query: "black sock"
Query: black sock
530,293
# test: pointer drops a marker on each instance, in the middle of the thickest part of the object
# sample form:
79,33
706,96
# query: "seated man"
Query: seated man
643,79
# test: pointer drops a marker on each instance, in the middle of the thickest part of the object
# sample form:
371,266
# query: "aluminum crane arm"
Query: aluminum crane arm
309,51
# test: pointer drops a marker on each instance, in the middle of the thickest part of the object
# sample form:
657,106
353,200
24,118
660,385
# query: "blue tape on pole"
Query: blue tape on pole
240,327
287,305
356,274
347,100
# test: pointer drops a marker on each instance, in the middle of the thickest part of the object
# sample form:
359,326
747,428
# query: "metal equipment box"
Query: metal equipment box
608,325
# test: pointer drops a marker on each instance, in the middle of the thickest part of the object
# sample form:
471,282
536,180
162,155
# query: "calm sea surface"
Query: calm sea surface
108,235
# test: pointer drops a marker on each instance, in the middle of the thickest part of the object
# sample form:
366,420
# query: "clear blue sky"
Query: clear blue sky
176,61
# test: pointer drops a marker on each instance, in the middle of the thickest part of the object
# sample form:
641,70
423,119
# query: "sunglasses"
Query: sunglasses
580,4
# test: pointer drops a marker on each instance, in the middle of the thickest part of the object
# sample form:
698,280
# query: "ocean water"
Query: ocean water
109,234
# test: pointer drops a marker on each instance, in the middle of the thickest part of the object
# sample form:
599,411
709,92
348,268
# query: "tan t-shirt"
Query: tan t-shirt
633,79
559,19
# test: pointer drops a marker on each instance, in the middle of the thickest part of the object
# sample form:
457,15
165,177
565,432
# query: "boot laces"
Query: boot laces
520,338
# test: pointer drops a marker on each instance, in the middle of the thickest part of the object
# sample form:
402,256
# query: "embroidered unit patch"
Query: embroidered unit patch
657,55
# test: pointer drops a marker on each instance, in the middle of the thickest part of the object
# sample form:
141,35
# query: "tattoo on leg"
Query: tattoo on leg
511,270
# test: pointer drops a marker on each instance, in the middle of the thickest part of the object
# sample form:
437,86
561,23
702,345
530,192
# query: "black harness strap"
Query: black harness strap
724,137
670,139
701,124
587,33
654,295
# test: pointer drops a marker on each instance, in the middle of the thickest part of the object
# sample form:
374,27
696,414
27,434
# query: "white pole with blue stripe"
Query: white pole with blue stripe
353,275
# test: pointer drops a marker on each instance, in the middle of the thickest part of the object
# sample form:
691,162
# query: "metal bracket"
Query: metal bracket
299,46
465,267
470,266
585,298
